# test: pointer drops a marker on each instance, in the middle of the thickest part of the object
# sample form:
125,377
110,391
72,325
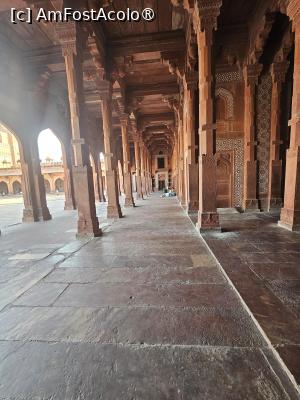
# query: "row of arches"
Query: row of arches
16,188
52,161
57,186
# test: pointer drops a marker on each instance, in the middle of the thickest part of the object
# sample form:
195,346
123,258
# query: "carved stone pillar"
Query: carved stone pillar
113,204
192,170
143,170
208,217
149,185
290,213
250,201
102,198
35,208
98,183
278,72
129,202
137,156
70,202
70,38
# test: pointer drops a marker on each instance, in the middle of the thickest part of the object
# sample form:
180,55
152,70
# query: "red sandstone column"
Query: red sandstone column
88,224
129,202
143,172
33,187
148,172
192,186
208,217
30,212
137,156
70,203
251,74
113,205
102,198
278,72
290,213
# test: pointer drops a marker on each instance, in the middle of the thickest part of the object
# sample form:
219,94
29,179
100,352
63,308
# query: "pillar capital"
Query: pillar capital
123,120
206,14
278,71
69,37
190,80
251,73
293,11
105,91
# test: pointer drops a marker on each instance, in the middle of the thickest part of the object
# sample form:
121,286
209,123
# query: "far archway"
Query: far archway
10,177
51,159
59,185
3,188
17,188
47,186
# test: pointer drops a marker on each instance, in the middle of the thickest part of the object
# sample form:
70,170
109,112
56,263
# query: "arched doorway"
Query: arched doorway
17,188
59,185
224,179
3,188
51,159
10,177
47,186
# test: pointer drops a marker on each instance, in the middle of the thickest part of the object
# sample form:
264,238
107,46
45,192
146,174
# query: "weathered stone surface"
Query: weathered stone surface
114,326
262,261
112,372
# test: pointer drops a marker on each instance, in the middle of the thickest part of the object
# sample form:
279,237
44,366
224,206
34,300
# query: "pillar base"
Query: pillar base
251,205
274,204
114,212
290,219
193,206
129,202
87,223
69,206
113,206
88,232
80,235
139,196
208,221
29,216
44,214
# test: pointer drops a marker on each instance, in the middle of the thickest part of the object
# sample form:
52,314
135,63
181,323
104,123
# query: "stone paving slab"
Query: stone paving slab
19,284
41,294
131,325
133,372
101,295
263,263
145,321
138,275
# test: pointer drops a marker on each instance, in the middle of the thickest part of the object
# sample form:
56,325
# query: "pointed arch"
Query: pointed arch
227,97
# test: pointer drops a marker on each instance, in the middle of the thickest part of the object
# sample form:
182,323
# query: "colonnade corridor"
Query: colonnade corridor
143,312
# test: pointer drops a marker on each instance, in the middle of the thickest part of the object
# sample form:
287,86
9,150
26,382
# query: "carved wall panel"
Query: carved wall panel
263,126
237,146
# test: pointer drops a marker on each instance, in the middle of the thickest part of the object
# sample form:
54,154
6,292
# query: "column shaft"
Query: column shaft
278,71
88,224
208,217
113,205
137,156
33,186
290,213
70,202
129,202
250,201
192,167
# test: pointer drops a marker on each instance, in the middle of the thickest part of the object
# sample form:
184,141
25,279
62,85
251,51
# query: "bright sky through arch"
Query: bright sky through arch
49,146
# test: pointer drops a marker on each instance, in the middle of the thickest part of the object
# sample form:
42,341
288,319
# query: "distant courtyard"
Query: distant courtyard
11,208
